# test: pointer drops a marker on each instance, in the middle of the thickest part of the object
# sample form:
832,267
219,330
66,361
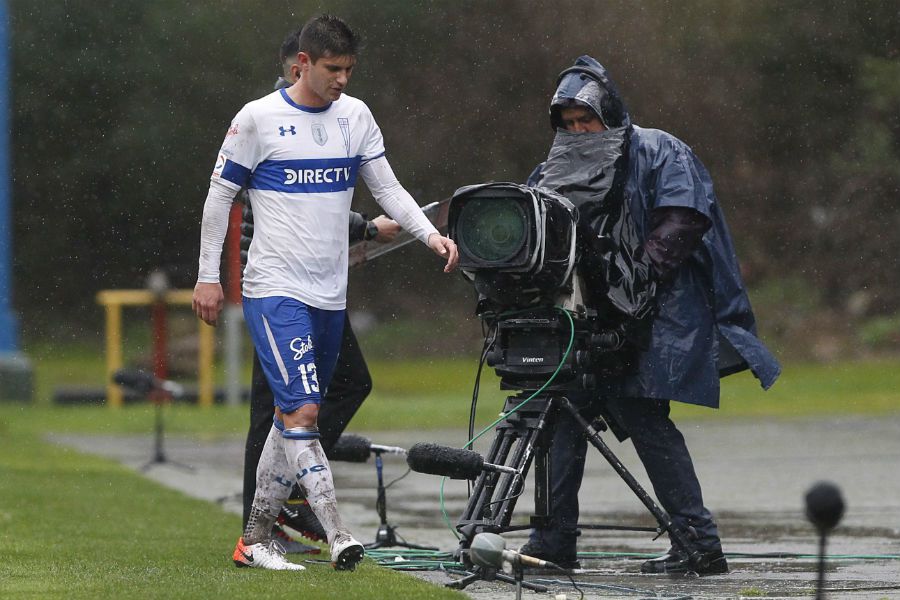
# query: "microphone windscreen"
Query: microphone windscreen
350,448
824,505
137,380
487,550
443,460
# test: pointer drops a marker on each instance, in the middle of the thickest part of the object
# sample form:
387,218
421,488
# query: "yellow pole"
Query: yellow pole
113,352
113,301
205,367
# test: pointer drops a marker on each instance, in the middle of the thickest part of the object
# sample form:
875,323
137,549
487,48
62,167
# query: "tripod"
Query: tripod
158,397
386,536
158,391
524,437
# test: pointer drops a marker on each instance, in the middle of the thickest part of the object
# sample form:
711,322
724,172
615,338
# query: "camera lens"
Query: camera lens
492,229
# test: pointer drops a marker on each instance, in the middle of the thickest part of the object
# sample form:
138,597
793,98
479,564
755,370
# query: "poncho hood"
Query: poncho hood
587,83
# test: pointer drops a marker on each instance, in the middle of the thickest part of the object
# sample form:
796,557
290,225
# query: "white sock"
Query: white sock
304,453
274,481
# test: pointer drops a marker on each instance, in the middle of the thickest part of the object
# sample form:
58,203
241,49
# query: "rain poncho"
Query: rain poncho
703,326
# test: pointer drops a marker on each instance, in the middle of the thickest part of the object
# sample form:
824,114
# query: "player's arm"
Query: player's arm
229,176
209,298
401,207
382,229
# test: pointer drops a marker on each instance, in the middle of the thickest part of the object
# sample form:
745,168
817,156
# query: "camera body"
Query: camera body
519,248
517,244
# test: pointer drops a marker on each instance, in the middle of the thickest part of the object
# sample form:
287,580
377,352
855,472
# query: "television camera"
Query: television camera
546,287
564,306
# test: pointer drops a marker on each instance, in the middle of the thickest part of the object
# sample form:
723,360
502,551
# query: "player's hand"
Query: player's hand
445,248
208,301
387,229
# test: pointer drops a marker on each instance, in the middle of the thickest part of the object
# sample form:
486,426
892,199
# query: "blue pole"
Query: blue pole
9,342
16,374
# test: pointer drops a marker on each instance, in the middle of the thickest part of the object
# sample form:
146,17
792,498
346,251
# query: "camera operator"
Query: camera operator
703,326
350,384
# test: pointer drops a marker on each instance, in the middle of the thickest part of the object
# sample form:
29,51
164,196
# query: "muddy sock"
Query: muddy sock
274,481
304,453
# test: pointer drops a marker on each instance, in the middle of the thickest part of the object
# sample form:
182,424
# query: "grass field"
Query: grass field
430,394
76,526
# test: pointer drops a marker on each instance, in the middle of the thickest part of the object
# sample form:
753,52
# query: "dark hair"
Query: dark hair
289,47
327,35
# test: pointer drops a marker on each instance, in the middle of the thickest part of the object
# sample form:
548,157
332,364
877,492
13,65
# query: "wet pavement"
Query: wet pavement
755,475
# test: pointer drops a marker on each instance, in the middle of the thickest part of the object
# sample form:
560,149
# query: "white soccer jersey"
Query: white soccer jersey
300,166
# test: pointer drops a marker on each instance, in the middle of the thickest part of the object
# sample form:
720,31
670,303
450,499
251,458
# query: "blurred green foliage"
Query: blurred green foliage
881,332
119,110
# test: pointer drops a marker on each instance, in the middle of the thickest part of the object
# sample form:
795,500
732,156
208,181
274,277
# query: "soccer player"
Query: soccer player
298,151
350,382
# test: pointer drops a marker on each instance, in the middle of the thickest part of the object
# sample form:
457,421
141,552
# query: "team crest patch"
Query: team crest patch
220,165
319,135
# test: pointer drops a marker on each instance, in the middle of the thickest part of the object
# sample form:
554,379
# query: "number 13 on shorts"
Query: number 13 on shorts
309,378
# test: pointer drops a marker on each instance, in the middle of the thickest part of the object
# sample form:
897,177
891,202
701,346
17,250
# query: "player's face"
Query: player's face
327,77
580,119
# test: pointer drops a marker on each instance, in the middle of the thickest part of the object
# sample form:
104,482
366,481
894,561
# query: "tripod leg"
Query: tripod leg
495,495
481,574
159,453
665,522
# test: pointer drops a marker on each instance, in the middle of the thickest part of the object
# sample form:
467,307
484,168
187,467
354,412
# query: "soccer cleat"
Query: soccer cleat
346,552
264,555
298,515
292,546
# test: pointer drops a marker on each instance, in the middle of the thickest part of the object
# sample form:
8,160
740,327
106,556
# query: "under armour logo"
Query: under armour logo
282,131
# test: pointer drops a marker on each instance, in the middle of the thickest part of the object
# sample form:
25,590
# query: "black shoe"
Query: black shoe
676,562
566,560
298,515
290,545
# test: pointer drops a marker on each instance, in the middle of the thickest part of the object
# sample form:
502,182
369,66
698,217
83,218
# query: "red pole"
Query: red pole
158,318
233,256
232,312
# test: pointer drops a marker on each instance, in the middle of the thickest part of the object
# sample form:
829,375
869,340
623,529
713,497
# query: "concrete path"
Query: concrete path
755,475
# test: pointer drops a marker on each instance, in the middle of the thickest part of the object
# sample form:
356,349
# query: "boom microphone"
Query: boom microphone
454,463
356,448
489,550
134,379
143,382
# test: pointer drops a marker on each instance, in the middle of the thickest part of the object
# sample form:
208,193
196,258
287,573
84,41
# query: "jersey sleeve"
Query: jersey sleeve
239,154
373,142
394,199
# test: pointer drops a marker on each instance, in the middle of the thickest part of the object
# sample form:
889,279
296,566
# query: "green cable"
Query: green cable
437,560
414,559
502,416
748,555
388,553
